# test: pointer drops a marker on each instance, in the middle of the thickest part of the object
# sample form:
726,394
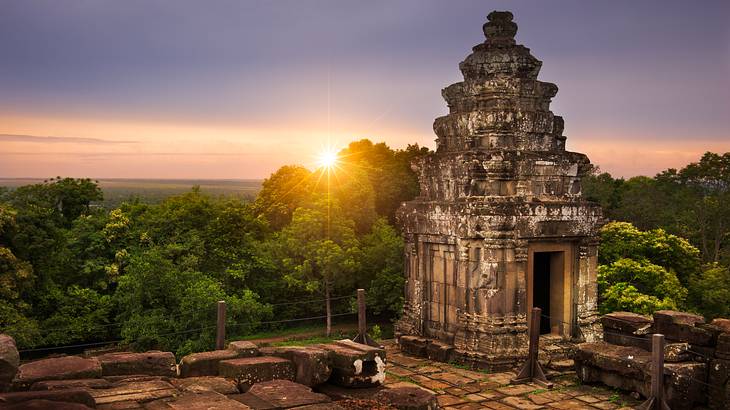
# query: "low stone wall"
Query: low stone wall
696,355
243,376
555,354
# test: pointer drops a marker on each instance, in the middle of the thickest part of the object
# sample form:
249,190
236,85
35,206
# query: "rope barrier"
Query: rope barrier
183,332
177,315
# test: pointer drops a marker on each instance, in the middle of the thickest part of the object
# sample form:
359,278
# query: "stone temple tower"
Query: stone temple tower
499,226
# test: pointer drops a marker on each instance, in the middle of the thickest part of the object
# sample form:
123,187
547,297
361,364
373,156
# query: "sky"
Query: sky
235,89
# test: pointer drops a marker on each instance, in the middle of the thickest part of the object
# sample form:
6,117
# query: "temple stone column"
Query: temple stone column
500,225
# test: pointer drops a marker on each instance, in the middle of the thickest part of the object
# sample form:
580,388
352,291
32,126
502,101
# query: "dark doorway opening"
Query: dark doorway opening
541,288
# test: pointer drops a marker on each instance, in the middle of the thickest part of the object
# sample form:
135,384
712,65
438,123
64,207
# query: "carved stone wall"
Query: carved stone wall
499,183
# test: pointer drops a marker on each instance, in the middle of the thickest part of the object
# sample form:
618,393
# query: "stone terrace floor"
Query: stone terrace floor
459,388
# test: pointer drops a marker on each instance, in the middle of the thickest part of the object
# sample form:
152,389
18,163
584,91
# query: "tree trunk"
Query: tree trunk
328,307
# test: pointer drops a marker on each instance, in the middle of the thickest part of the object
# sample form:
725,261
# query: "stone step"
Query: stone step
312,363
128,363
58,368
280,394
248,371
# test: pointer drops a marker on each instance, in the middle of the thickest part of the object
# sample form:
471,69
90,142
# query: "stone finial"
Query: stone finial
500,29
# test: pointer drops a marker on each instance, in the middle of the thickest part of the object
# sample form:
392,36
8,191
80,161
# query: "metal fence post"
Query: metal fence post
220,339
532,371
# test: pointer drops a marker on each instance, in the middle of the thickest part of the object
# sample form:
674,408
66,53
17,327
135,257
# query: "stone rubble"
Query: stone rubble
239,377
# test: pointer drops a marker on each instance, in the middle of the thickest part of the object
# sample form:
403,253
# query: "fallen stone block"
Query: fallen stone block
205,363
676,352
9,361
721,323
625,322
627,340
133,392
355,365
280,394
626,361
719,384
311,363
76,396
682,327
338,393
413,345
244,348
128,363
628,368
408,398
71,384
440,352
206,383
59,368
722,349
684,384
250,370
206,400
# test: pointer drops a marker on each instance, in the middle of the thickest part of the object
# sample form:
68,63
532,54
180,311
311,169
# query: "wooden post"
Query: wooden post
361,323
362,329
532,371
220,339
656,400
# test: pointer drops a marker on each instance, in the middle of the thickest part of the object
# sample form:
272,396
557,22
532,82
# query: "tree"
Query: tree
284,191
709,291
388,170
319,251
643,271
383,268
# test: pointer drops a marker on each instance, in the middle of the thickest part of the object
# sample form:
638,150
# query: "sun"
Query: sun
327,159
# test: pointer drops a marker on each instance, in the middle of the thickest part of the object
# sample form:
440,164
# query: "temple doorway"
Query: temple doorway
549,287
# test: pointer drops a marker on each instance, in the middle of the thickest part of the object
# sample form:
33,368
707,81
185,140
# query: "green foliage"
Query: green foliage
710,291
640,271
383,267
150,274
621,240
375,332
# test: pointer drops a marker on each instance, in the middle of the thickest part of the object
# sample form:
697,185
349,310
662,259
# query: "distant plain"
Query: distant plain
117,191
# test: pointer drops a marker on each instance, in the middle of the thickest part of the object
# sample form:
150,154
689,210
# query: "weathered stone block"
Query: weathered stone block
206,383
57,397
628,368
721,323
280,394
72,384
354,364
627,340
244,348
59,368
204,400
250,370
41,404
311,363
722,350
413,345
625,322
408,398
440,352
626,361
128,363
142,391
9,361
676,352
682,327
205,363
719,380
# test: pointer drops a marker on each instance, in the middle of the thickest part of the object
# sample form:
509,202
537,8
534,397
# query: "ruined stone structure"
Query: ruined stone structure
499,226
